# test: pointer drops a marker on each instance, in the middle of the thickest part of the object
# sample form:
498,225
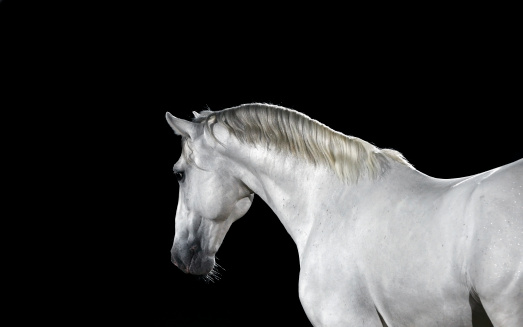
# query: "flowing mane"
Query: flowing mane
290,131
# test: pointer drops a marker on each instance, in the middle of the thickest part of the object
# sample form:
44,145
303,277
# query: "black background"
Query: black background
442,86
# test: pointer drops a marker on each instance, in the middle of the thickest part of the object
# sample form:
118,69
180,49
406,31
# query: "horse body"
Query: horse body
414,248
405,246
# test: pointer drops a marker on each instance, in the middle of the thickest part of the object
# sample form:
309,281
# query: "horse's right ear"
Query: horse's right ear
180,126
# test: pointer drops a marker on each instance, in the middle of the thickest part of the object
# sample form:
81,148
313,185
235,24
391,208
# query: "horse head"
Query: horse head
211,198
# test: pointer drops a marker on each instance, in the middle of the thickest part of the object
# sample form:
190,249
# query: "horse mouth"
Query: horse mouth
197,263
200,266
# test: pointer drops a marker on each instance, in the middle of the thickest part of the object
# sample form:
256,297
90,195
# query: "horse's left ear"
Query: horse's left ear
182,127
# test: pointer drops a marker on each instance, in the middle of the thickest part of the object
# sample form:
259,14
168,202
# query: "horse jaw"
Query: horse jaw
197,257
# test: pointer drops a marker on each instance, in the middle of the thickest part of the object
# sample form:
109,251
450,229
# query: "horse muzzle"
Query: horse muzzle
192,260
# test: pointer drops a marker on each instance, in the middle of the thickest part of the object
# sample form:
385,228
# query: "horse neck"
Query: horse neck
302,194
292,188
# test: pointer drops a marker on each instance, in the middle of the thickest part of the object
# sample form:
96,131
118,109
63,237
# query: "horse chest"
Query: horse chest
330,288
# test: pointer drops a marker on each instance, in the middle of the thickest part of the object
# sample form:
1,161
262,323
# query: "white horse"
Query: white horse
379,242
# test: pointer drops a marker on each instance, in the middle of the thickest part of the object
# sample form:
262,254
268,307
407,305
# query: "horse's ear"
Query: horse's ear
181,127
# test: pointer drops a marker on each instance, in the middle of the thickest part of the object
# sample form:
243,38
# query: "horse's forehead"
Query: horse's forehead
203,146
200,153
210,142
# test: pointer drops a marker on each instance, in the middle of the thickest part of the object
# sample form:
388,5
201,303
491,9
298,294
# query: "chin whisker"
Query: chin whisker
214,275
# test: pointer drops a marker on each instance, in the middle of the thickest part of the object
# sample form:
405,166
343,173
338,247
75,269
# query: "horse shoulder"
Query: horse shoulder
495,255
496,251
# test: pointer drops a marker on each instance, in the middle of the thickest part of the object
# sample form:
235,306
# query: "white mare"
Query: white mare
375,237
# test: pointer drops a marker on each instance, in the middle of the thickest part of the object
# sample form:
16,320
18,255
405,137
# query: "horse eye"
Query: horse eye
179,175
